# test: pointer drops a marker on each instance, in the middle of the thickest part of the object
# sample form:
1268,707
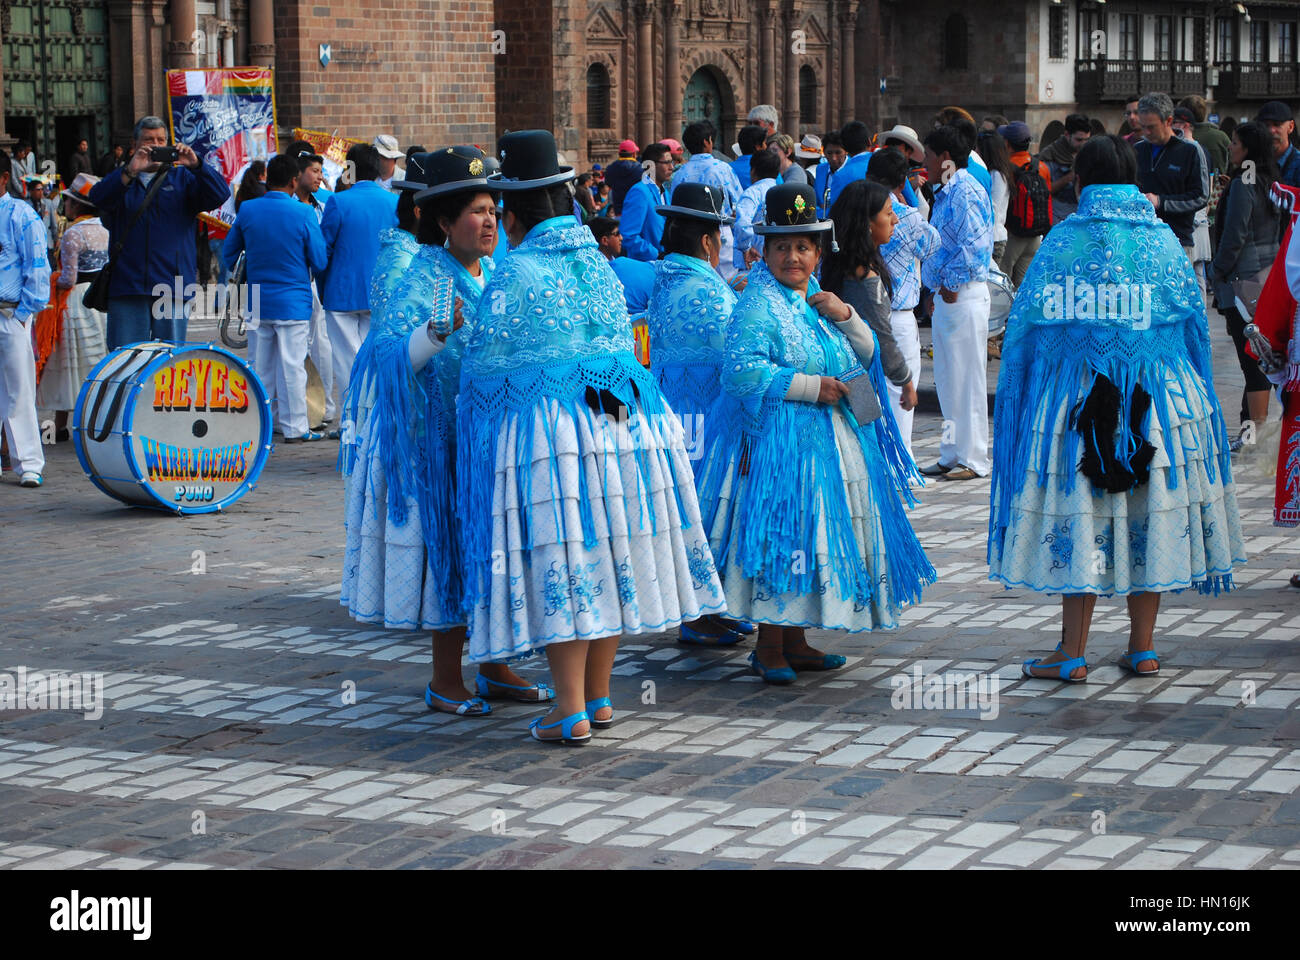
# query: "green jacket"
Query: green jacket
1216,144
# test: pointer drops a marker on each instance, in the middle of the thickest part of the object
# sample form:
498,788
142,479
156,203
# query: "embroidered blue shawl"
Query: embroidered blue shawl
1110,292
551,324
787,450
687,316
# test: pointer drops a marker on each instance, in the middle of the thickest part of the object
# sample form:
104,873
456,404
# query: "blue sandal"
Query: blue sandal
825,661
747,627
1063,669
1129,662
473,707
483,685
694,638
600,704
777,675
566,726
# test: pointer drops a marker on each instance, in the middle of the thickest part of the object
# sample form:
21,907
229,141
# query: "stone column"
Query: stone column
790,115
645,73
767,57
672,70
261,30
5,139
848,38
183,24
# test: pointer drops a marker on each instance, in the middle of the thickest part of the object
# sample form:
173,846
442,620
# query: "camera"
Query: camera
164,154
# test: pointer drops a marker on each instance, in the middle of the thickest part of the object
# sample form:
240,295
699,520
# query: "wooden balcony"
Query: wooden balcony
1103,80
1257,81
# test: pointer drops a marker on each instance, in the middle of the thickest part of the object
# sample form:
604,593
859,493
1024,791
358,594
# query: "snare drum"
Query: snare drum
1001,295
185,428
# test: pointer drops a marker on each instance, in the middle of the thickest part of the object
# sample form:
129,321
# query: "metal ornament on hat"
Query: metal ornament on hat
475,167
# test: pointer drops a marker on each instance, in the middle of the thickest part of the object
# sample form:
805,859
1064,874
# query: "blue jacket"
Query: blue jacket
741,166
1289,164
854,168
642,228
285,247
821,176
351,226
638,281
161,246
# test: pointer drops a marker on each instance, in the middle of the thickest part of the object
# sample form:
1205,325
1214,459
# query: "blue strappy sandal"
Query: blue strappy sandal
695,638
1063,669
473,707
600,704
566,726
484,686
747,627
777,675
1129,662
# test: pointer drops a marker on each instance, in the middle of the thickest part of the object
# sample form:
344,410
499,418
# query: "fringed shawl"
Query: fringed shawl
1110,292
687,317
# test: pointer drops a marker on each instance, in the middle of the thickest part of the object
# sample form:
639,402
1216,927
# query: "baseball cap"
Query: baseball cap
386,144
628,148
1183,115
673,145
1275,111
1017,132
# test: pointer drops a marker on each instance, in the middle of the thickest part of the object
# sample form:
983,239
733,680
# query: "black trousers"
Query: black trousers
1255,379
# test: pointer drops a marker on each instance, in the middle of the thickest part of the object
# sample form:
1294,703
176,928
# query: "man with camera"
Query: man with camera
151,233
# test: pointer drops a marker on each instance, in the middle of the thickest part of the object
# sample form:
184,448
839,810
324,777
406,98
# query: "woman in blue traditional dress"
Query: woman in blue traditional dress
1111,472
687,318
576,495
402,567
802,474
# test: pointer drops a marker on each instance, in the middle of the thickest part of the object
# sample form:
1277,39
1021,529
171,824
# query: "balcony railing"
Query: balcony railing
1257,81
1096,81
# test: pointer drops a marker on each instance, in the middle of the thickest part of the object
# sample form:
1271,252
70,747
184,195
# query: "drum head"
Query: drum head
195,428
1001,295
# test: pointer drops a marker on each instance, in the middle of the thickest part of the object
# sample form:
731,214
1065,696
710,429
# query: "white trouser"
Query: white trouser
903,323
347,328
281,364
726,255
318,346
18,394
961,336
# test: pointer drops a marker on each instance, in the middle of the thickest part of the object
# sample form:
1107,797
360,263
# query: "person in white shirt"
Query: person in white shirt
992,149
389,154
764,168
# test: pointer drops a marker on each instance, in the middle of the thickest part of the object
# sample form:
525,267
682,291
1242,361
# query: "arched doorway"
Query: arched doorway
708,97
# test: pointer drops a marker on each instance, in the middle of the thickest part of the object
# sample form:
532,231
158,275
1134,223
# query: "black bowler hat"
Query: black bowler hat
791,208
699,201
418,166
529,160
451,170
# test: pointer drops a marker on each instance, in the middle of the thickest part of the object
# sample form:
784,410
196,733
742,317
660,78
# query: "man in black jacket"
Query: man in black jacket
1169,169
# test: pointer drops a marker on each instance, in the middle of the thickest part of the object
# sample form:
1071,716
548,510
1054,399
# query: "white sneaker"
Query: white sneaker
30,479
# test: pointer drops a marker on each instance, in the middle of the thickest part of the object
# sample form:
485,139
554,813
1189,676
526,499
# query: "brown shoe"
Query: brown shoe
960,473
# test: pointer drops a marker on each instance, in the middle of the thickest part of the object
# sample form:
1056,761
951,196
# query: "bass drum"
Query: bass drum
184,428
1001,295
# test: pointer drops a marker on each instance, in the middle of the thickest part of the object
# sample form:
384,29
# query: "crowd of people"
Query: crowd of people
523,473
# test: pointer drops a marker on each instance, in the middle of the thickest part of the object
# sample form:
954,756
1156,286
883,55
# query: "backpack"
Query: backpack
1030,212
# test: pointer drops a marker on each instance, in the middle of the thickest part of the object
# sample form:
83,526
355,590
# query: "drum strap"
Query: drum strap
106,428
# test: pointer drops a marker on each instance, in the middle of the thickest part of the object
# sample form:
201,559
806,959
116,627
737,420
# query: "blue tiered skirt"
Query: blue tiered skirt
579,525
1181,529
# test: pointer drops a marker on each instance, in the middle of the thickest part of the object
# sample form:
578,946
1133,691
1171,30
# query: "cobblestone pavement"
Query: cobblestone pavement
230,735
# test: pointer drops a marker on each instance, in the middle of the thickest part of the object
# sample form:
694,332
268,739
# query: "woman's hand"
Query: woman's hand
832,390
908,400
830,306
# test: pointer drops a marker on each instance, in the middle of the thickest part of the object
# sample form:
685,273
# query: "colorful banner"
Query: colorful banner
332,147
227,115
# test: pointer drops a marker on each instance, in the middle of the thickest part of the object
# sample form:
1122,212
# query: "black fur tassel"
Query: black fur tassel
1097,420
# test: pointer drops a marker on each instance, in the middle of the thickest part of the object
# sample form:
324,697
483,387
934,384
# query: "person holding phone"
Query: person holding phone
157,249
799,483
402,566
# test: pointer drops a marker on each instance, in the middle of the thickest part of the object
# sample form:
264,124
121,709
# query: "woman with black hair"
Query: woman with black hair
402,567
1111,474
687,318
1246,242
575,491
993,151
252,185
803,478
864,216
